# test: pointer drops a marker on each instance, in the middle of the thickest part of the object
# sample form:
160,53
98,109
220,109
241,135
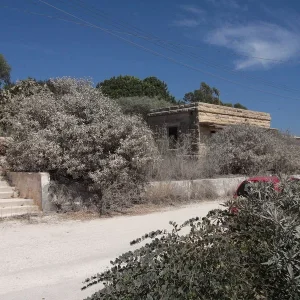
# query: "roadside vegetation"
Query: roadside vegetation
235,150
100,153
101,156
252,254
69,129
250,150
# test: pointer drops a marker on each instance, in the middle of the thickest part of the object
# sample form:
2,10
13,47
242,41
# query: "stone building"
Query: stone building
202,120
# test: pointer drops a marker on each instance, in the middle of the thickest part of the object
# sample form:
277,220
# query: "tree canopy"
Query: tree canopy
210,95
4,71
140,105
130,86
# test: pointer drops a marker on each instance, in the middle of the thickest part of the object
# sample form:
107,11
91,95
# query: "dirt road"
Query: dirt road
49,261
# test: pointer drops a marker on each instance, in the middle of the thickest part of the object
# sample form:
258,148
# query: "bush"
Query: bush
254,254
130,86
23,88
141,105
166,193
72,131
243,149
179,163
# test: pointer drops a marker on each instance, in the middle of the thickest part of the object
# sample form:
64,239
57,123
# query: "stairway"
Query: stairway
11,205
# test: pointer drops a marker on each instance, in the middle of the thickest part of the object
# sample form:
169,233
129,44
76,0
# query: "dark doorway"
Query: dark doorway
173,136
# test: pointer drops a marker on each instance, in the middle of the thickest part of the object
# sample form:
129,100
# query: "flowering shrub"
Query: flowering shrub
71,130
254,254
243,149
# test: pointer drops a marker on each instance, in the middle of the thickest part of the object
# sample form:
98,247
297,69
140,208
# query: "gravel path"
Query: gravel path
50,261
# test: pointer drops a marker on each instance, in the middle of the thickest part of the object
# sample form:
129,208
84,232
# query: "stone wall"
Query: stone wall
184,117
222,115
182,120
205,133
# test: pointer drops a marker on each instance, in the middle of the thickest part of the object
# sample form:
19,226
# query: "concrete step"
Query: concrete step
15,202
3,183
18,210
5,195
6,189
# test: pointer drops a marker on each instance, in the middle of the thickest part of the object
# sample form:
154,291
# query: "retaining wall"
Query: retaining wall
193,189
35,186
32,186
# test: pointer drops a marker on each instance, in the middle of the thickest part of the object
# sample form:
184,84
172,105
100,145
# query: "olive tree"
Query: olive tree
5,70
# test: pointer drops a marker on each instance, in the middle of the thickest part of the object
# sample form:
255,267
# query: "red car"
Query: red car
243,187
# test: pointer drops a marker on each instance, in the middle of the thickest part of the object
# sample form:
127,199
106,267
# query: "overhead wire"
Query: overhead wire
145,37
164,56
261,80
177,50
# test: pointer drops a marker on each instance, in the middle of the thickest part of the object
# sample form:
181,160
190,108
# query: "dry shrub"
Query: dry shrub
71,130
249,150
252,254
203,190
179,163
175,167
67,197
166,193
4,144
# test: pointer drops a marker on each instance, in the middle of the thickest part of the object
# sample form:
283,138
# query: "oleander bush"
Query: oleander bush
251,254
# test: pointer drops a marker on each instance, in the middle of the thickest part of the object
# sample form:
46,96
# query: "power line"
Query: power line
47,16
164,56
170,46
240,54
178,44
191,55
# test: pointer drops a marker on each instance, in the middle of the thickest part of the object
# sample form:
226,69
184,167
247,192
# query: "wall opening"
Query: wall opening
173,136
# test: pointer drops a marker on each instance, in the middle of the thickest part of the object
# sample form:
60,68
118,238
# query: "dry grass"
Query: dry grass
166,193
176,164
203,190
172,193
177,167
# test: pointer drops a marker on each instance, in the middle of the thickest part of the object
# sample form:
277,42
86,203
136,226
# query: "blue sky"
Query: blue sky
248,49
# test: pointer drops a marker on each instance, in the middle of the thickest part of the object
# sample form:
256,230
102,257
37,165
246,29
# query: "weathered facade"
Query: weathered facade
202,120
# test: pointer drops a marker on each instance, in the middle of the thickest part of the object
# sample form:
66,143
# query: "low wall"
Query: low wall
32,186
198,189
35,186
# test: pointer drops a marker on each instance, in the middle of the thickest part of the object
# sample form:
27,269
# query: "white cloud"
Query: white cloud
193,9
191,16
186,22
231,4
264,40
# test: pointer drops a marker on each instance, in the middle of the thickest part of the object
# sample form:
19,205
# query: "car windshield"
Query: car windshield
244,189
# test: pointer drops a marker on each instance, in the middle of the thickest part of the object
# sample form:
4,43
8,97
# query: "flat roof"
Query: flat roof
203,106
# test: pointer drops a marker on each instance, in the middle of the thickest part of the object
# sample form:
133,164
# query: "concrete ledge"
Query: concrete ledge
33,186
198,189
